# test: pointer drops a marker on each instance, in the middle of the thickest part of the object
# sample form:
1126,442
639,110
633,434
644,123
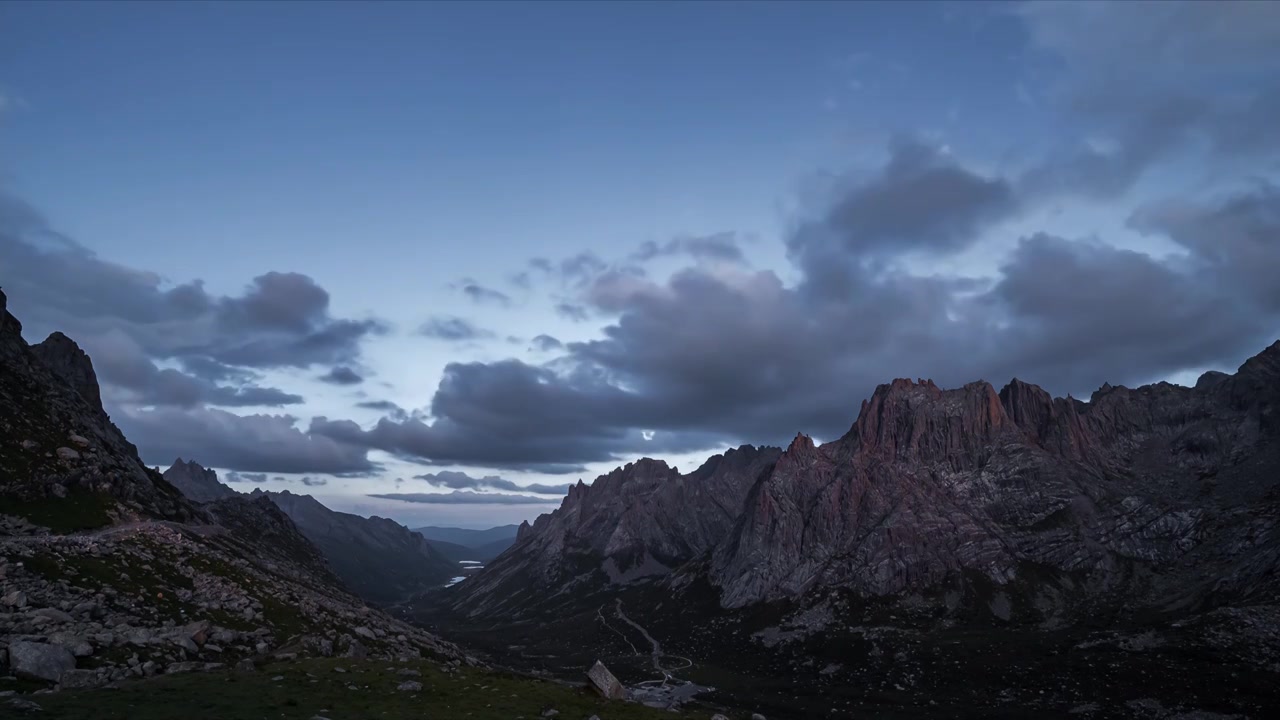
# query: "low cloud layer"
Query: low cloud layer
462,481
462,497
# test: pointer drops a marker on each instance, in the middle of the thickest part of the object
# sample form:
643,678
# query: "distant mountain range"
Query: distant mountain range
376,558
493,540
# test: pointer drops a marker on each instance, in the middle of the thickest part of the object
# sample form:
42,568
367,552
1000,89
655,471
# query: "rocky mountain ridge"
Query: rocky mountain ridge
959,552
931,484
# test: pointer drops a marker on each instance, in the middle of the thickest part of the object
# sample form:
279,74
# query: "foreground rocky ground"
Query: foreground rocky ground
854,659
338,689
91,608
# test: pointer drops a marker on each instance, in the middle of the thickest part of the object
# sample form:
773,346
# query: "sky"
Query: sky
436,261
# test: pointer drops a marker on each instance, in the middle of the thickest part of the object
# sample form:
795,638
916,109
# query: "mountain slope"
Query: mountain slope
107,572
378,559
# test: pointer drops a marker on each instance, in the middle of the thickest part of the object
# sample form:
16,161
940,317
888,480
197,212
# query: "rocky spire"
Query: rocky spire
64,357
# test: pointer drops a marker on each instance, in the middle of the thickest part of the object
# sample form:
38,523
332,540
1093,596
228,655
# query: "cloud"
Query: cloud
314,482
1204,88
921,200
384,406
452,329
459,497
462,481
481,295
483,412
246,443
546,343
571,311
341,375
130,376
239,477
281,319
721,247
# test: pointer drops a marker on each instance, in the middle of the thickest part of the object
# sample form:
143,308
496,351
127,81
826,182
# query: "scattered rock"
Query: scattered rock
365,632
16,599
66,453
409,686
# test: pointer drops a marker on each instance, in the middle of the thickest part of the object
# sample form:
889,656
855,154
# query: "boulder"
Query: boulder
76,644
16,599
53,614
66,453
409,686
40,661
605,683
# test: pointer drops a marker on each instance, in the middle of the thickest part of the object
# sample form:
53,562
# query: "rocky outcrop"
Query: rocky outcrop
72,365
195,482
376,558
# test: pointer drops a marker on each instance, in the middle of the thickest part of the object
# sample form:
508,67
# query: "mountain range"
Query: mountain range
947,515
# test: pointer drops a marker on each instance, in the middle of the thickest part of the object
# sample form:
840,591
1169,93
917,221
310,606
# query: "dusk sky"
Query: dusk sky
466,254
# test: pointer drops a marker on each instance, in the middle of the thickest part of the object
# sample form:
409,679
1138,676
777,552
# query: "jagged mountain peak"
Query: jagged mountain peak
196,482
919,419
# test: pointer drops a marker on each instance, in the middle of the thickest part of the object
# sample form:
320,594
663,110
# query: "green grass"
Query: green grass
311,687
79,510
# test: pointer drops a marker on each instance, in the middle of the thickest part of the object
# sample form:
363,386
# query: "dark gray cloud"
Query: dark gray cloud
168,355
341,375
572,311
386,406
281,320
1157,82
130,376
461,497
546,343
721,246
246,443
922,199
239,477
1236,237
453,329
482,416
462,481
314,482
481,294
